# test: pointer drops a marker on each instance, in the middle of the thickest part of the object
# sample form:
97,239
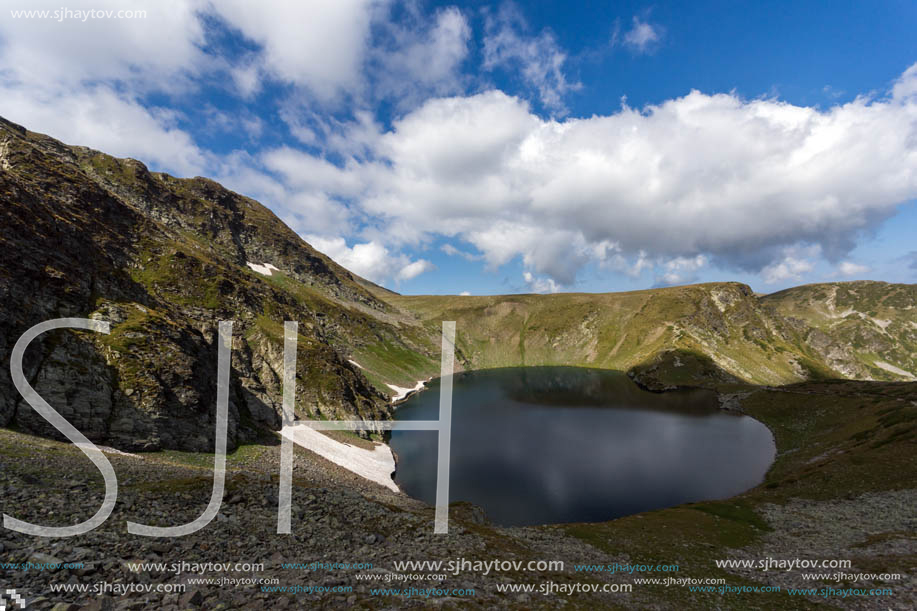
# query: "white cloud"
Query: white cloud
101,118
539,284
452,251
540,58
849,268
307,210
317,45
310,173
681,270
906,85
82,80
348,50
149,52
419,56
414,269
791,267
252,125
370,260
247,78
734,180
464,294
701,179
620,263
217,121
642,37
357,137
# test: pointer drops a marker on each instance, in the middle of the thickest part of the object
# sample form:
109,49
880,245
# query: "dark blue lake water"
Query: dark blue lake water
539,445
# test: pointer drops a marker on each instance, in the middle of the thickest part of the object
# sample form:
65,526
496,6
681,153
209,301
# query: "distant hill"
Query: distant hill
691,335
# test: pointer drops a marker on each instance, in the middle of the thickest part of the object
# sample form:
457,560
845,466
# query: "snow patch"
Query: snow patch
265,270
107,450
404,392
891,368
376,465
355,364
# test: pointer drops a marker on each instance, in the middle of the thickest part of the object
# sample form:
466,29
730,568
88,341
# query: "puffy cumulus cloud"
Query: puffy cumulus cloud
414,269
348,50
312,174
81,78
849,268
539,58
680,270
735,180
372,260
642,37
794,263
712,178
320,46
419,55
88,79
906,86
148,51
105,119
538,284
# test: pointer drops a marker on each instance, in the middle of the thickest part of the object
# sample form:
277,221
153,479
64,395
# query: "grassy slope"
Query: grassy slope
877,320
390,346
619,330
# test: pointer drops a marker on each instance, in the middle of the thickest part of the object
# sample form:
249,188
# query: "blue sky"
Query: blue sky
493,147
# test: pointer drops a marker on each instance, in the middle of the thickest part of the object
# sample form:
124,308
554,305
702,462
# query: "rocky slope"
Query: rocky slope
875,322
164,260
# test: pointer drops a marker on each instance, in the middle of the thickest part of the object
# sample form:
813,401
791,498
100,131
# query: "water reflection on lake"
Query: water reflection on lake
539,445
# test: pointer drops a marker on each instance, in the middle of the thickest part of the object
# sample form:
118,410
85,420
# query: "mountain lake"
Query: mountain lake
540,445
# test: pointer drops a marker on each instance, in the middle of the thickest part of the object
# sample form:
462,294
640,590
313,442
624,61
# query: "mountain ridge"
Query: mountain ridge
163,259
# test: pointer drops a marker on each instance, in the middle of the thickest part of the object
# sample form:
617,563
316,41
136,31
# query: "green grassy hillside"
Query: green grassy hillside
679,332
877,321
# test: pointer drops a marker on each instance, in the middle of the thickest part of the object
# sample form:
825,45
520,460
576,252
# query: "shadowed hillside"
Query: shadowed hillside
164,260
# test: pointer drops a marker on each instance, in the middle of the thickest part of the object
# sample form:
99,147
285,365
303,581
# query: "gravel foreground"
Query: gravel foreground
339,518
